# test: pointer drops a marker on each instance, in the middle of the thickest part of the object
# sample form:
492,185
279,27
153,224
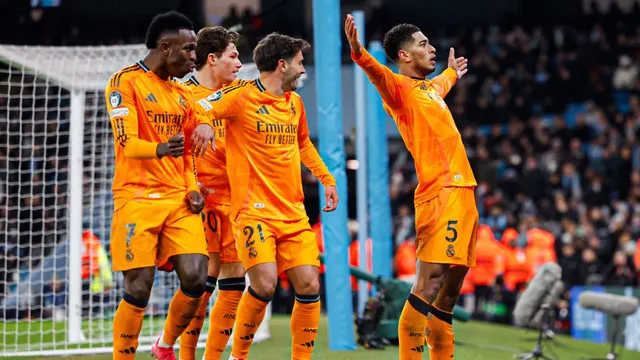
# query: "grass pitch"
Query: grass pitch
474,341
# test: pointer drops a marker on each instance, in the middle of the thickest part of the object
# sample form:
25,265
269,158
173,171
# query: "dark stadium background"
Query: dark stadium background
550,116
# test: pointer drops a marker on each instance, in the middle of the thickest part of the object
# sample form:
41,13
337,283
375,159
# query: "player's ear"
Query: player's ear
212,58
404,56
165,47
282,65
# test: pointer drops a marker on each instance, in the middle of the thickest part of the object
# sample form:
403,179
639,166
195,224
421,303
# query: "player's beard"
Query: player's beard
292,84
425,70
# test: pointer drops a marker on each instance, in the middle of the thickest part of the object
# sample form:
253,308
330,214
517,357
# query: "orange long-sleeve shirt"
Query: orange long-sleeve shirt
425,124
212,168
145,111
267,137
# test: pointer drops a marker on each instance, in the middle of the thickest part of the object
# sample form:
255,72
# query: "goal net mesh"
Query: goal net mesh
36,89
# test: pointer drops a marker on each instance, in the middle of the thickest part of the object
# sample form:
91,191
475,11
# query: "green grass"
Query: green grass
475,341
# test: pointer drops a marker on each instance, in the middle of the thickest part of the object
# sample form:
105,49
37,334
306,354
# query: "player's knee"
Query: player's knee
194,282
138,283
263,279
213,265
428,288
264,285
308,286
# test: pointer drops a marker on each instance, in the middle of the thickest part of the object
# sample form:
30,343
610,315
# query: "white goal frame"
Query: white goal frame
80,70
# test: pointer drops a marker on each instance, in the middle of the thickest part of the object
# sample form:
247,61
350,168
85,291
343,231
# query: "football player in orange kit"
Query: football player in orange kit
267,137
156,219
446,213
217,64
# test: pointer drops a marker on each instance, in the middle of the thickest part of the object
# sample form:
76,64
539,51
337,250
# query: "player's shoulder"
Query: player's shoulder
295,97
236,86
126,74
233,89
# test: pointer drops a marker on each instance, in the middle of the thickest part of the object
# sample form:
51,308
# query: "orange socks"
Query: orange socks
412,327
251,312
440,340
304,326
223,316
182,309
127,324
189,339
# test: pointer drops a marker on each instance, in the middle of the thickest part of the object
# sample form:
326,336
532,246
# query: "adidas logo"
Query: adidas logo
309,344
130,350
226,332
151,98
194,332
263,110
248,337
419,349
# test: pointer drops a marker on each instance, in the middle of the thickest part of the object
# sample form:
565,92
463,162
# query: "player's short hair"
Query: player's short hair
168,22
275,47
396,38
213,40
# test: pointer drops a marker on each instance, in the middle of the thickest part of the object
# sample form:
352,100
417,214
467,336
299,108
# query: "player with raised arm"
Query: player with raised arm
267,138
446,213
156,219
217,63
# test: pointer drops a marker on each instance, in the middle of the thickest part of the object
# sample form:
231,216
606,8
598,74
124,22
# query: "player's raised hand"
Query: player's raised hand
174,147
352,35
195,201
458,64
330,198
202,136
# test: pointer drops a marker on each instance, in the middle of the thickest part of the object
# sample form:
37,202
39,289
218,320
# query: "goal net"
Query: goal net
57,292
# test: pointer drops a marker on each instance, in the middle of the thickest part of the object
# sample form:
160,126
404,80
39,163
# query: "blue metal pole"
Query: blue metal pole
327,50
378,175
361,173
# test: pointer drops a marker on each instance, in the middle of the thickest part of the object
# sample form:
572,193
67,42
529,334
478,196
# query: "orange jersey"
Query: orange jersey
212,168
145,111
425,124
267,138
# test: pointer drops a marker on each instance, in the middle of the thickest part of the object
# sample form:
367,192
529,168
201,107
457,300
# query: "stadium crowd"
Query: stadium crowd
550,116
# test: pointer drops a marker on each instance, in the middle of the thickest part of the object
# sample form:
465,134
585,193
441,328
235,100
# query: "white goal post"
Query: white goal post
57,292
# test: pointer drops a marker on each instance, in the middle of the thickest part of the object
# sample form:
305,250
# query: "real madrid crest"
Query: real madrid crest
215,96
115,99
433,95
183,103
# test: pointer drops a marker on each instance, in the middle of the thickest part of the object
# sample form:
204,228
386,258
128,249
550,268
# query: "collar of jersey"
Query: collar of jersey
148,71
286,96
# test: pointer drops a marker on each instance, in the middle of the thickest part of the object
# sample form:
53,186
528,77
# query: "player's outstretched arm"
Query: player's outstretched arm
225,103
312,160
124,122
457,68
386,82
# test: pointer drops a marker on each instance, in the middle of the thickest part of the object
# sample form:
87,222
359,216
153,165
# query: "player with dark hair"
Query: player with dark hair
156,221
217,64
267,138
446,213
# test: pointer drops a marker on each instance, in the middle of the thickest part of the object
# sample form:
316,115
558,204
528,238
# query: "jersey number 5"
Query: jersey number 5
454,232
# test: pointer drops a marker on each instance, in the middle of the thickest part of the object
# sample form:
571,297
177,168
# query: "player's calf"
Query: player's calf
192,272
253,306
305,317
189,338
441,337
223,314
412,326
129,316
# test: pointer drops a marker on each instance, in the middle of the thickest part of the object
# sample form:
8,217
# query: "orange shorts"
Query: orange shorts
219,232
144,234
286,243
446,228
